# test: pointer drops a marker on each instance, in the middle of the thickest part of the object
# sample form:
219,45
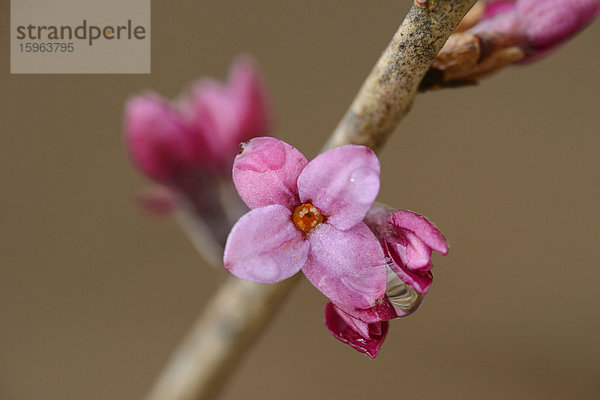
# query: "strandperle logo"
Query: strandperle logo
84,31
80,36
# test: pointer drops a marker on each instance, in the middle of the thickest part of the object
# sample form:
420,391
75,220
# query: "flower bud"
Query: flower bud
537,25
546,24
508,32
230,113
159,142
364,337
407,239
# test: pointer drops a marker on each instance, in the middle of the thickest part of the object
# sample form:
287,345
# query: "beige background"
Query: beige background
94,295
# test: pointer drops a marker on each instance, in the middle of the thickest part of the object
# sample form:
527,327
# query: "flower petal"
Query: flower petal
347,266
365,338
160,144
382,311
377,219
264,246
413,252
547,23
211,110
493,8
421,227
360,327
342,183
266,172
227,114
251,97
419,280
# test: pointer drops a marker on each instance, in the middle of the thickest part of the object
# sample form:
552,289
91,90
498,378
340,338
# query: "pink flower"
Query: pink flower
203,132
537,25
308,216
407,239
372,262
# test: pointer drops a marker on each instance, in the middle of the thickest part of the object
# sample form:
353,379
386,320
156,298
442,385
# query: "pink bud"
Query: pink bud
493,8
537,25
548,23
231,113
166,142
159,142
408,239
364,337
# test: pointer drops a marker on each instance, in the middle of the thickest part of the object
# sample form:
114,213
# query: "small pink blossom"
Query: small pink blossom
201,132
407,239
308,216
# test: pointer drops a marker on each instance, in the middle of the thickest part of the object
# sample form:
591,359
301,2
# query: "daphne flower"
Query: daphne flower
407,239
308,216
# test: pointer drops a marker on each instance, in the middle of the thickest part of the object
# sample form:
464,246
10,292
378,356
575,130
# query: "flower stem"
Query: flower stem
240,310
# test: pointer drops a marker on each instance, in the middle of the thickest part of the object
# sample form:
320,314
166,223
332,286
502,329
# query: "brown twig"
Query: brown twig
240,310
387,94
206,357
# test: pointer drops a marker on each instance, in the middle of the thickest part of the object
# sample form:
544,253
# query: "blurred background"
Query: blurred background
94,294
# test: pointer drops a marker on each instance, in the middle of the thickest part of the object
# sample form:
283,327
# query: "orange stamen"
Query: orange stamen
307,217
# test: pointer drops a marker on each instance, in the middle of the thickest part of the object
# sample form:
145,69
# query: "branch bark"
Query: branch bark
207,356
240,310
388,93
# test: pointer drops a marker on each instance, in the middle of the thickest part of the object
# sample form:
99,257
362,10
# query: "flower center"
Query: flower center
307,217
